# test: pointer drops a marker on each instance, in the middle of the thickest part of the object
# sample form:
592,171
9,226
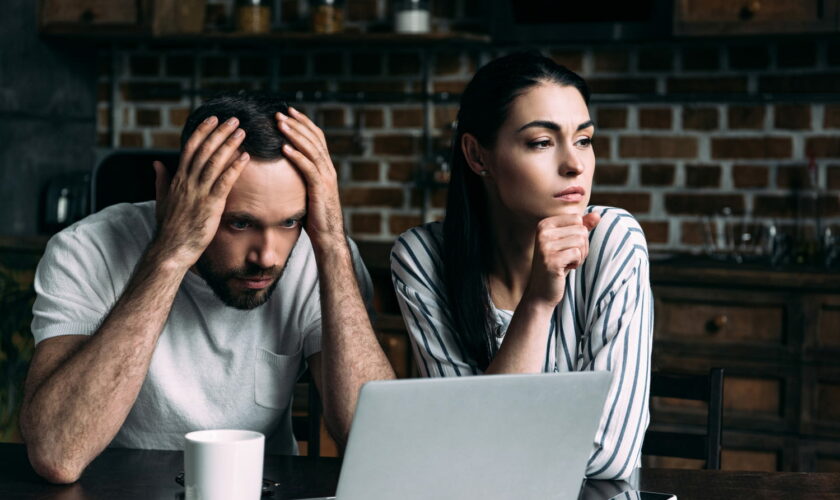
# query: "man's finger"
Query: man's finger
308,123
162,180
196,139
290,125
303,145
221,188
211,144
221,158
298,159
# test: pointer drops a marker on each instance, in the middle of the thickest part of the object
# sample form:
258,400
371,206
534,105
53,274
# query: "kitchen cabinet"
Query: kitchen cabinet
749,17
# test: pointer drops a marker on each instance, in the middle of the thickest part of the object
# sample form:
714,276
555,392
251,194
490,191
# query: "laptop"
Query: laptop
489,437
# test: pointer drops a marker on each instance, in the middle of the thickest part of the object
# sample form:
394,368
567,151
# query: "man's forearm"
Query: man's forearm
350,351
74,411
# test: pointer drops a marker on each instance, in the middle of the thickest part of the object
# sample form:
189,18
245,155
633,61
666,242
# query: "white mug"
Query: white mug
223,464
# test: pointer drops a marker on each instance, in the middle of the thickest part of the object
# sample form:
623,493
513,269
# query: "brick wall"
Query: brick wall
683,129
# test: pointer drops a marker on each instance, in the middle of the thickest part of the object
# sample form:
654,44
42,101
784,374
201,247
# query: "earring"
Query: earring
482,173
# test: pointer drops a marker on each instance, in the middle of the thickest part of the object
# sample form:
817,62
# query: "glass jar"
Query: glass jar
253,16
327,16
411,16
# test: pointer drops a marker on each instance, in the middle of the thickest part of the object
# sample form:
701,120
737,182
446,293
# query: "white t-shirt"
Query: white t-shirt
214,366
604,322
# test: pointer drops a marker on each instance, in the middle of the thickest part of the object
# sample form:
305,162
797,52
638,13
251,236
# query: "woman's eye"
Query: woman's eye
239,225
585,142
542,144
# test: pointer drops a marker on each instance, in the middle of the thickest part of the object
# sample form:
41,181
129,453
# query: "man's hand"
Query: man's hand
190,205
307,150
561,244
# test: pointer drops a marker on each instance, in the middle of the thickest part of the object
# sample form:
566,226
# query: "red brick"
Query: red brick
370,118
749,57
448,63
693,233
750,176
634,203
131,140
790,206
166,140
720,84
823,147
406,117
655,59
746,117
655,231
330,117
833,177
364,171
453,87
366,223
702,176
366,63
657,174
744,147
400,171
793,116
655,118
657,147
608,118
832,116
699,118
144,65
703,204
215,67
178,116
571,59
610,175
398,224
796,177
624,85
821,83
403,63
700,58
396,145
445,116
147,117
328,63
611,61
796,54
372,197
344,144
601,146
158,91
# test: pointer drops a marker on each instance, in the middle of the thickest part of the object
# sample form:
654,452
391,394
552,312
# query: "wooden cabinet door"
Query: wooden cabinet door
88,13
742,17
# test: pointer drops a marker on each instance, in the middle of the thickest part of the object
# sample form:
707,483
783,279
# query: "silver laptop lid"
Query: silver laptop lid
489,437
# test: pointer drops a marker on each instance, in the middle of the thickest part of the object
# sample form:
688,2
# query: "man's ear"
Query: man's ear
474,154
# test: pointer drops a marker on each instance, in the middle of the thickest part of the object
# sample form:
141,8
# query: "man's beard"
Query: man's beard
246,299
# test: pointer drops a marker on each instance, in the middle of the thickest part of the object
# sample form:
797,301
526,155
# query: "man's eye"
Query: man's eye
290,223
543,144
239,225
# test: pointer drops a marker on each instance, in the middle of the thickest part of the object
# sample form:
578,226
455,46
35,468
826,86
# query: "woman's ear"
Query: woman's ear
474,154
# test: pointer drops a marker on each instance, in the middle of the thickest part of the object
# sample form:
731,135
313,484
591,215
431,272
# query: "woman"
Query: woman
522,276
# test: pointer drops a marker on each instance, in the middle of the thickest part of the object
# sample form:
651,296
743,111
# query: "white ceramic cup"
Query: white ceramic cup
223,464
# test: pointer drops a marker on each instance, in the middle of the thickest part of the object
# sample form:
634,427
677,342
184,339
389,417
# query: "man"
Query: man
199,310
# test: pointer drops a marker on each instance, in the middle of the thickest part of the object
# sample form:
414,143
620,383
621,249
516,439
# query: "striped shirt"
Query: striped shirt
604,322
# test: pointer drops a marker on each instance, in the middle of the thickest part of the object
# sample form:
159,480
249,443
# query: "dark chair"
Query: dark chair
708,388
308,427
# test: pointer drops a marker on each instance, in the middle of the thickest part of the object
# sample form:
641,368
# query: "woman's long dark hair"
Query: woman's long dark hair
467,234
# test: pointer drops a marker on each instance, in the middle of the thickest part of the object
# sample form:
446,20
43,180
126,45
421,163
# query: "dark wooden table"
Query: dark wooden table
150,475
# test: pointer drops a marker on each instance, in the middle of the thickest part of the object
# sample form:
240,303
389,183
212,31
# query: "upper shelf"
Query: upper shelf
296,39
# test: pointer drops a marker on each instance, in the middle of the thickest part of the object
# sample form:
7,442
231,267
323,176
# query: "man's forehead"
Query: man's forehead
274,188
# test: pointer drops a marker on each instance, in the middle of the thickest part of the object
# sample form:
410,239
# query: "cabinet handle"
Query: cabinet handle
717,323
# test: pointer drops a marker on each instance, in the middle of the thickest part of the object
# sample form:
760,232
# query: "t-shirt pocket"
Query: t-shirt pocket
274,378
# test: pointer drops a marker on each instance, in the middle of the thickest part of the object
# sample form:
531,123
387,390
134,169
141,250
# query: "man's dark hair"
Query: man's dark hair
256,114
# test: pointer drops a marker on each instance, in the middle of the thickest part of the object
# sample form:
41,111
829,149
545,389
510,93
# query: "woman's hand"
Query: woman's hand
561,244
